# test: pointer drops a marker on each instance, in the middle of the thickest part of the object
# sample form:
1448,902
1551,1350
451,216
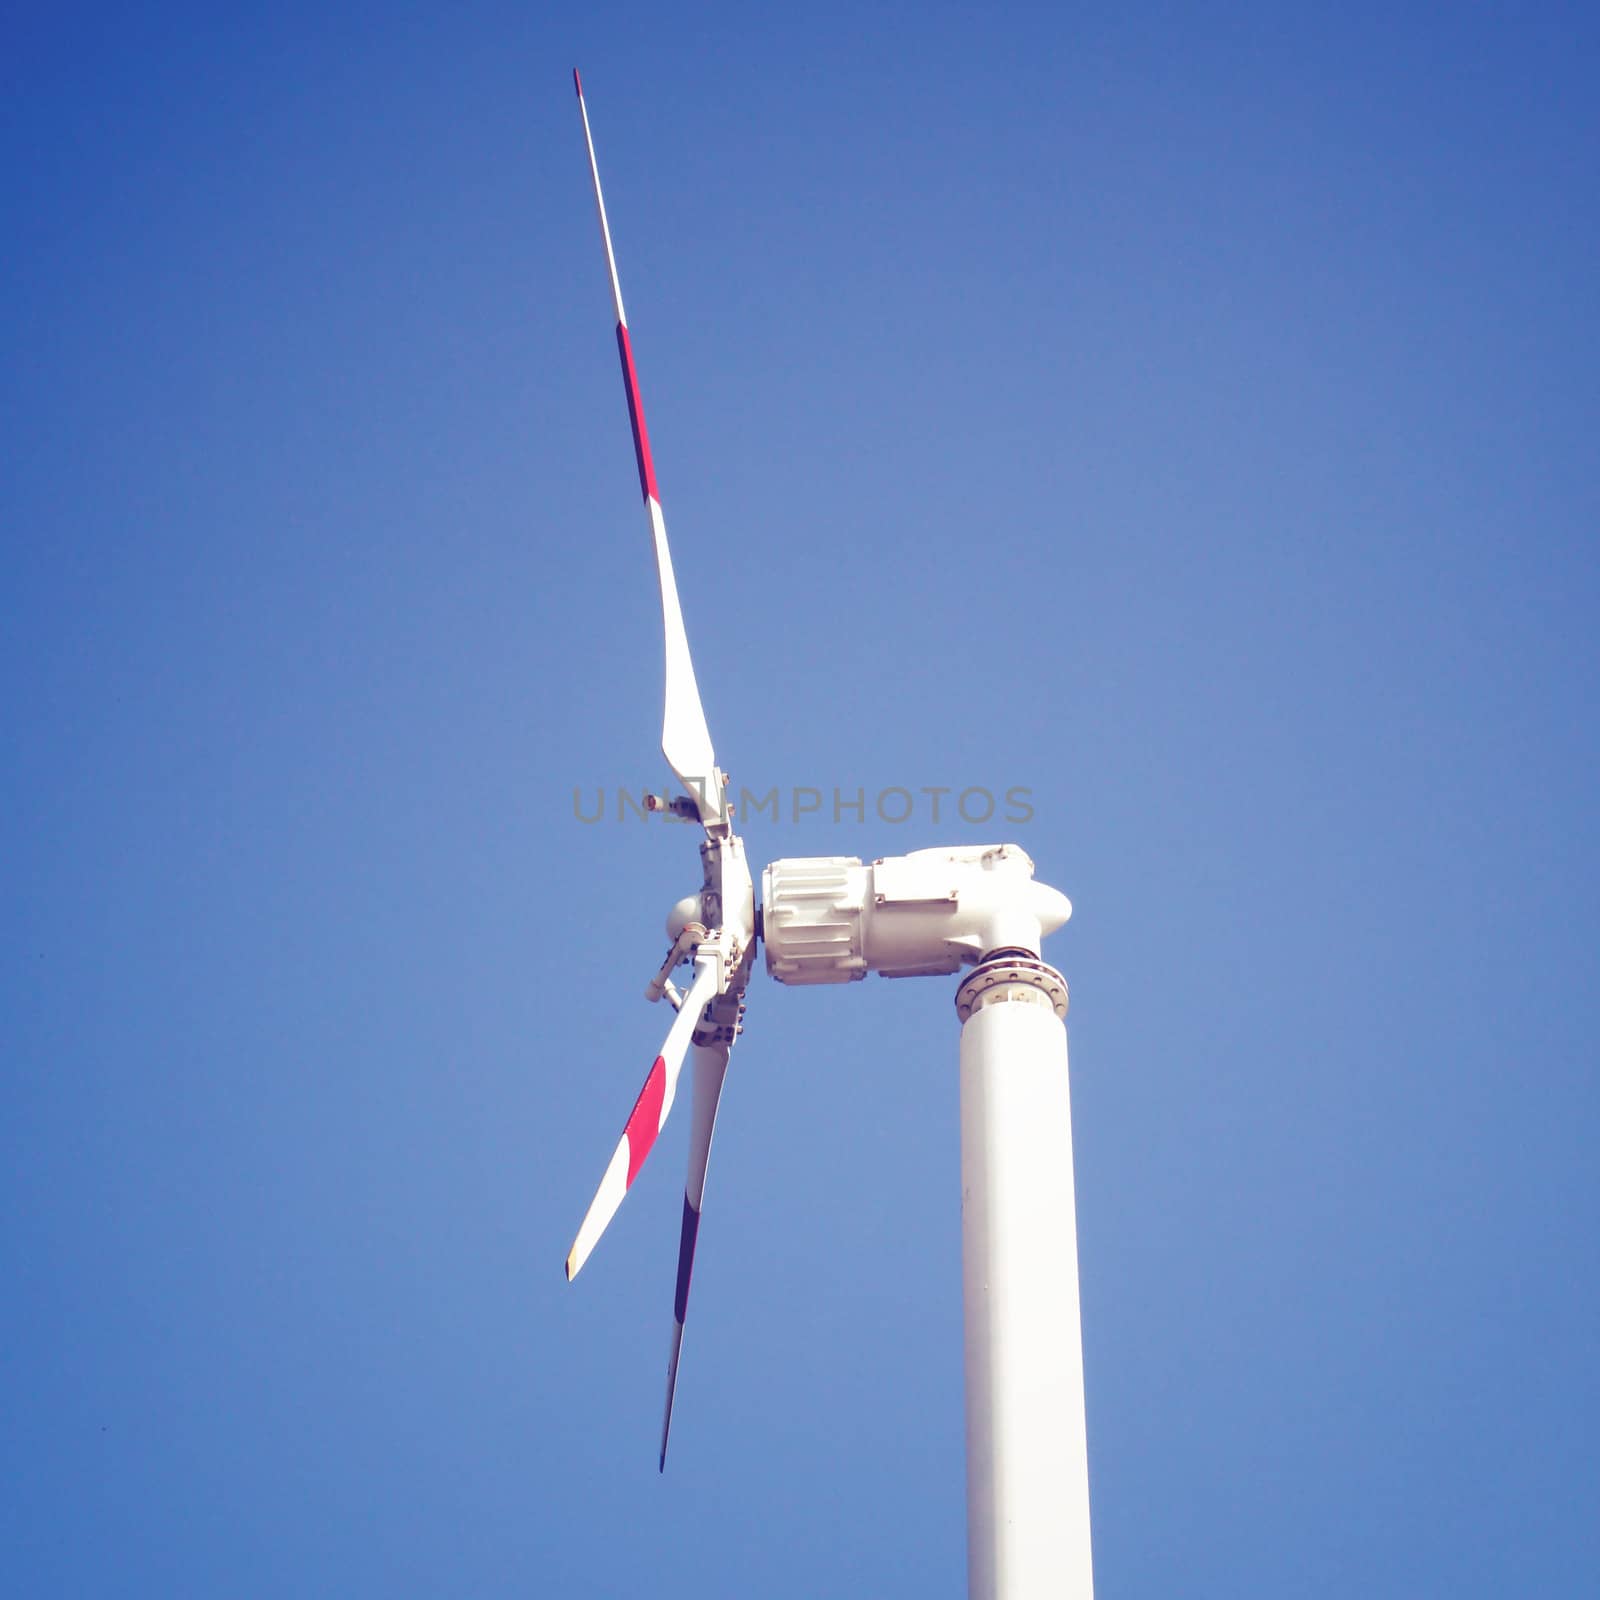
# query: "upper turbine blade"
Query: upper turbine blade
648,1117
710,1067
685,738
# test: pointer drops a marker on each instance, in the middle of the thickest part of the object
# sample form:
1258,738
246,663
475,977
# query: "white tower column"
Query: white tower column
1027,1450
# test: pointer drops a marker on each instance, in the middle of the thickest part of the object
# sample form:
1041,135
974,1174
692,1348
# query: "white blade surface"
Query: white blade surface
648,1117
685,737
710,1068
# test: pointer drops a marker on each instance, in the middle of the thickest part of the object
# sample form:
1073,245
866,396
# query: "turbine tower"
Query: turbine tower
834,919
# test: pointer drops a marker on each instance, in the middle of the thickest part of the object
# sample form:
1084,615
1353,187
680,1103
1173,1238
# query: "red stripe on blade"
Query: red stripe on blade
641,439
644,1121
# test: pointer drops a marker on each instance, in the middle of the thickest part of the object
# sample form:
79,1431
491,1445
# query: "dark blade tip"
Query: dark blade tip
663,1466
577,82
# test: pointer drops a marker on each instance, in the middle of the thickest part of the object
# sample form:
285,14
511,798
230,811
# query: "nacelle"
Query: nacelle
833,919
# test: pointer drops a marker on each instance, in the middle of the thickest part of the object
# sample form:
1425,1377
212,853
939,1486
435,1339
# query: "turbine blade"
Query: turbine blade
685,737
648,1117
710,1068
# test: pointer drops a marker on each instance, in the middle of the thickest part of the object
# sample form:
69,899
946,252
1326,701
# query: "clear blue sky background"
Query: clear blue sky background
1191,417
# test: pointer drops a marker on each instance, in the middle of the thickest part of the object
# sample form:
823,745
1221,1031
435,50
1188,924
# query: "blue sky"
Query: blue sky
1190,419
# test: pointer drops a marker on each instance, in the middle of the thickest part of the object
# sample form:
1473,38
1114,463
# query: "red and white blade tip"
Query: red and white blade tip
638,1137
648,1117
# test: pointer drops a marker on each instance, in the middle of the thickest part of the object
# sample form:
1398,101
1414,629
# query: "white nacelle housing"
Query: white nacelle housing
832,919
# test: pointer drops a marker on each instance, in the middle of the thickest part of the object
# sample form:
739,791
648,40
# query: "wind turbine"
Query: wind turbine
834,919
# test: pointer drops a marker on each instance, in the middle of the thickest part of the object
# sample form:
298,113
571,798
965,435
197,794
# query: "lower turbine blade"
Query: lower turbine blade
648,1117
710,1068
